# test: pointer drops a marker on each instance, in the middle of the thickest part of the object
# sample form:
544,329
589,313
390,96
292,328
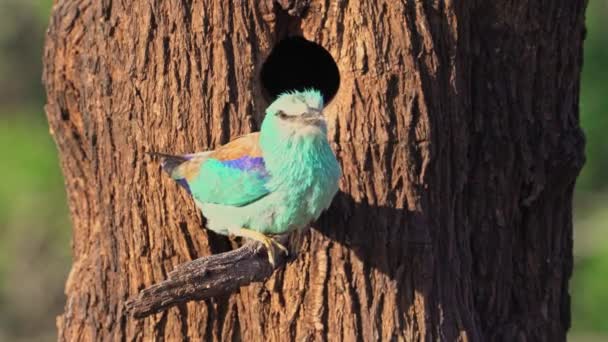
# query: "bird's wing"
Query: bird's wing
234,174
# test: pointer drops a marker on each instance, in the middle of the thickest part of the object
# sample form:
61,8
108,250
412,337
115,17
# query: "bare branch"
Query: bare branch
206,277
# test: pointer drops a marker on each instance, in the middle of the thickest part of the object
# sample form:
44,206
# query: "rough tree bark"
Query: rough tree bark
456,125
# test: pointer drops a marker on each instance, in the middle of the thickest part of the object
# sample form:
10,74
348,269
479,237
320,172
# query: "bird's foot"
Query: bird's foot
268,242
280,246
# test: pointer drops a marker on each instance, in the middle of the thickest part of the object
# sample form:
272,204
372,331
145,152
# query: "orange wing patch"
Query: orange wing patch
191,168
246,145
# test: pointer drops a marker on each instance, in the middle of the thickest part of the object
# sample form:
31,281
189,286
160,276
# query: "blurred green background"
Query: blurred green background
34,224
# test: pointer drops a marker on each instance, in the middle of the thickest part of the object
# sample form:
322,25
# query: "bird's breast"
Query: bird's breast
304,178
308,192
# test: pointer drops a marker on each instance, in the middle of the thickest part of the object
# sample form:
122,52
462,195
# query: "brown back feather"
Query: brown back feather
246,145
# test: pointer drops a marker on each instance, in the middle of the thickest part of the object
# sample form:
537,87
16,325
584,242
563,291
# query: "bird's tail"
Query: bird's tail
169,162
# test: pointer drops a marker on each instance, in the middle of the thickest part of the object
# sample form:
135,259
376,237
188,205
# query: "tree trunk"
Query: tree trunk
456,125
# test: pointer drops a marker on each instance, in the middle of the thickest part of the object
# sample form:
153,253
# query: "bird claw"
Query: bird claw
281,247
270,243
267,241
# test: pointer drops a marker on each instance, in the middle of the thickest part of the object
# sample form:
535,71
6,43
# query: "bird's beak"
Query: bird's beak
313,116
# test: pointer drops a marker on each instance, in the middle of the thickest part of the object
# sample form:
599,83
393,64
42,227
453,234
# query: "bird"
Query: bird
266,183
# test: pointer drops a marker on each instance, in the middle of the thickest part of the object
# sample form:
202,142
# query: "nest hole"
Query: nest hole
297,64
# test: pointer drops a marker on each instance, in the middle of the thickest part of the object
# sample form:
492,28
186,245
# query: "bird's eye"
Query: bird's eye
281,115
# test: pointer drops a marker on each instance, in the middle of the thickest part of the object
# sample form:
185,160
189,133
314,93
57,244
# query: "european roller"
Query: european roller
271,182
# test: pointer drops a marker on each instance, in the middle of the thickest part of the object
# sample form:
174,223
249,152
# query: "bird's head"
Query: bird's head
296,114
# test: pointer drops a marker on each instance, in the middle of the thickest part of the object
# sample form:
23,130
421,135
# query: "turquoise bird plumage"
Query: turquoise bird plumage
270,182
